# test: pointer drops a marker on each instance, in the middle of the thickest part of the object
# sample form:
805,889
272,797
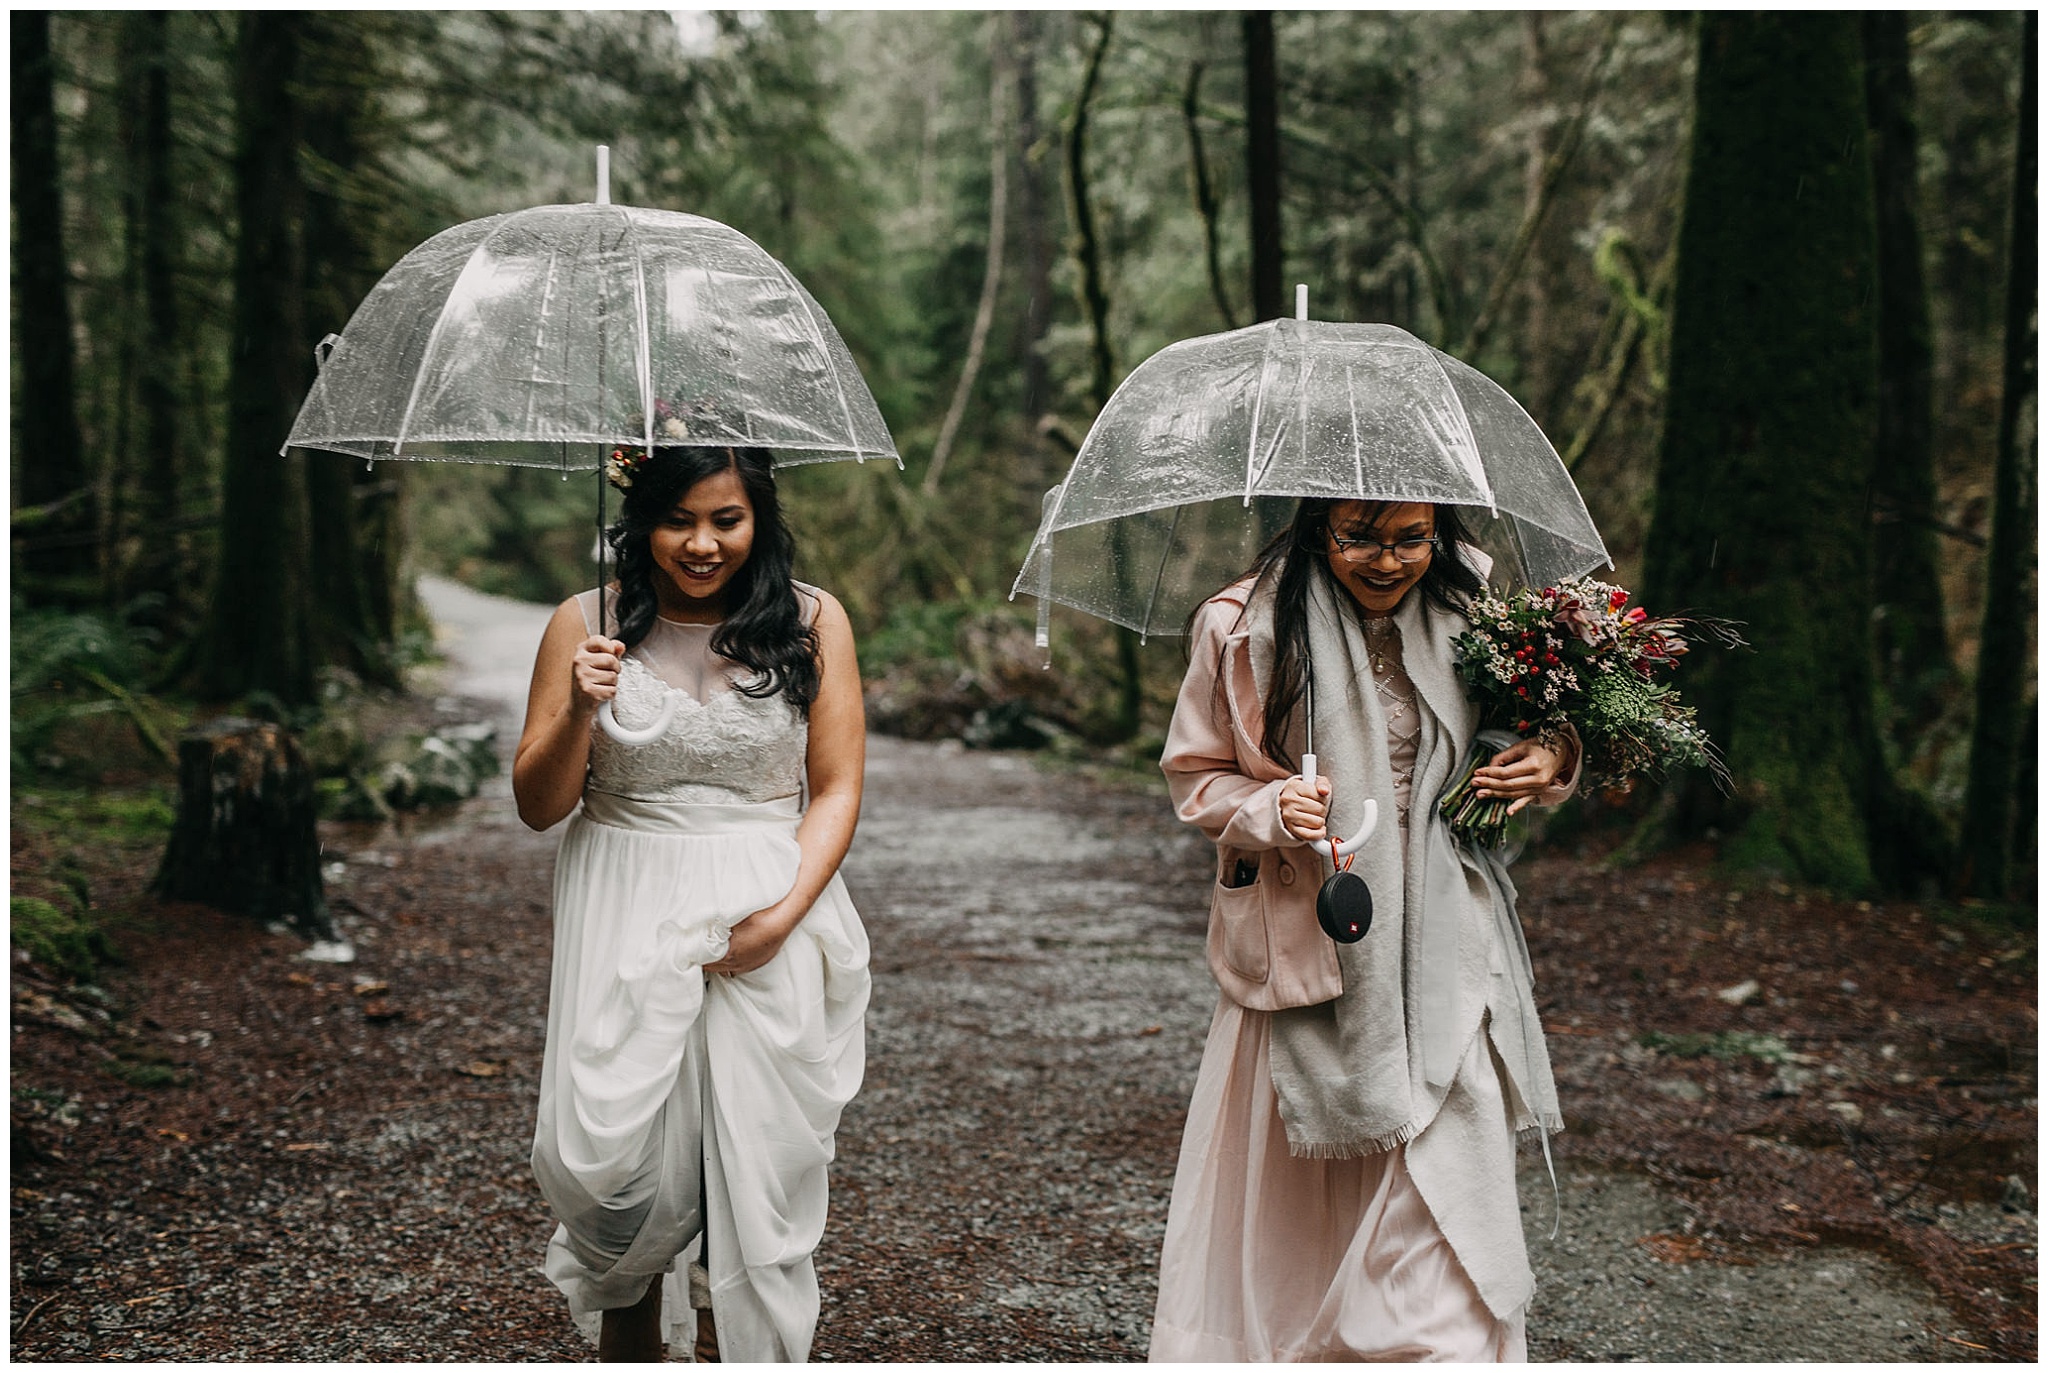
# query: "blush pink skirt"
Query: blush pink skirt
1270,1258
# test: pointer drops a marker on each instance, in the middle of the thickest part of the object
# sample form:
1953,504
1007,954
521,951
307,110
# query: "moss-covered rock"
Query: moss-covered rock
60,939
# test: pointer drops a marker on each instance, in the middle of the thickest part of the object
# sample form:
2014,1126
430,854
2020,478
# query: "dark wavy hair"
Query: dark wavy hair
764,629
1299,552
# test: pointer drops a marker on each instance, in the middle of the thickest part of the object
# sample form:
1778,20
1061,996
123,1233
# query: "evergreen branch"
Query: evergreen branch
1554,168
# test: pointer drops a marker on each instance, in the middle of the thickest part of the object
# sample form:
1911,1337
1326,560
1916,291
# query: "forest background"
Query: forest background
1809,410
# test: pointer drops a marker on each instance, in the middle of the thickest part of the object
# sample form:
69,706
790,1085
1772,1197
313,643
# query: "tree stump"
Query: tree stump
244,839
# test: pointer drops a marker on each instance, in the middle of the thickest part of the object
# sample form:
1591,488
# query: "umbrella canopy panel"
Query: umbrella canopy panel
1150,570
1199,457
545,337
1282,407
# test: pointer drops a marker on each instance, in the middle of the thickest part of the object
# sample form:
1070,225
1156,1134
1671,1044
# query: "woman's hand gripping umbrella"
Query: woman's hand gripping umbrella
1203,451
579,337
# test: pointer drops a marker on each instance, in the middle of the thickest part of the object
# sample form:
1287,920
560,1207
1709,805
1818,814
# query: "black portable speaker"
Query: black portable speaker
1344,907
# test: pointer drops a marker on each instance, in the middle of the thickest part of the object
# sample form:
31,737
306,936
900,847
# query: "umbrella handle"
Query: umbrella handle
1367,823
610,724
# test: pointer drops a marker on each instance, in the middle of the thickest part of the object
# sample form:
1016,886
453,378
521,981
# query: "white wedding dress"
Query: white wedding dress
673,1105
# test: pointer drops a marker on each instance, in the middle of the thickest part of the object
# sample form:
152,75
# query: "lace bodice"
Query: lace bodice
722,745
1397,704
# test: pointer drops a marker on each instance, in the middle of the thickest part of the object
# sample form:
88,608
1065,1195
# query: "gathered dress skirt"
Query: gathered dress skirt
685,1116
1270,1258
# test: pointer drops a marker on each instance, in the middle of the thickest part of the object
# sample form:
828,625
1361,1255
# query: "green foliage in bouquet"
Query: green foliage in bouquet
1577,654
1632,727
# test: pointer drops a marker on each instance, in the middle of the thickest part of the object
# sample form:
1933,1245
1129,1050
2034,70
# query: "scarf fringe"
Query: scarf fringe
1551,1124
1354,1148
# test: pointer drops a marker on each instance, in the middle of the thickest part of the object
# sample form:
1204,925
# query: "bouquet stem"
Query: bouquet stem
1482,820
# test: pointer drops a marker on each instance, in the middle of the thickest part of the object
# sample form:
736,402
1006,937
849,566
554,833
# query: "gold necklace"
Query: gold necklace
1379,638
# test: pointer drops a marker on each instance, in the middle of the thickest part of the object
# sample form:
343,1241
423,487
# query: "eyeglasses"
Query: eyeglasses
1369,550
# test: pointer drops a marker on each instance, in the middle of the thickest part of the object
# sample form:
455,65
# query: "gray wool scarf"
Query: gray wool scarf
1445,955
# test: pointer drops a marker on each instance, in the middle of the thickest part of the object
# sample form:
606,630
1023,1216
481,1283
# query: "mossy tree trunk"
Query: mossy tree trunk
258,634
153,212
1768,439
1911,640
1262,164
2004,705
49,457
349,510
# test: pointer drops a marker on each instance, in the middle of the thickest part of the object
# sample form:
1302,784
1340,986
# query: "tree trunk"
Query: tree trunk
1102,373
156,447
245,837
1036,225
49,455
379,495
258,634
1205,193
1262,164
1768,433
1911,640
1087,244
2002,652
992,272
349,586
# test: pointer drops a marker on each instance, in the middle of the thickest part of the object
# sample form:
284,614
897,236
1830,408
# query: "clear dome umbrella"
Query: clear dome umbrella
1201,454
551,336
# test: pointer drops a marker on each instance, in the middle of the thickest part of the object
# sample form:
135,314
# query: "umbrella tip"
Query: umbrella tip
604,175
1301,300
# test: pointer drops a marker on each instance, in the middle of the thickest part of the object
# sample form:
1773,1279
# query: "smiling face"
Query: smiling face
701,546
1378,583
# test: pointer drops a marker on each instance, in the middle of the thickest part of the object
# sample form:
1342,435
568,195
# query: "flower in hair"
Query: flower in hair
672,422
620,466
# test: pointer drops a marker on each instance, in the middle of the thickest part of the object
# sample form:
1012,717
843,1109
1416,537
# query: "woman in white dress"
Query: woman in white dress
1346,1187
710,974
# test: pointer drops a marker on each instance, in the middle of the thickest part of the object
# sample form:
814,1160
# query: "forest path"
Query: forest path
339,1171
1040,1004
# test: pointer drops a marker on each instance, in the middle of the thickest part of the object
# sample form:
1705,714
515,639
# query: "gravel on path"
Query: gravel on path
340,1172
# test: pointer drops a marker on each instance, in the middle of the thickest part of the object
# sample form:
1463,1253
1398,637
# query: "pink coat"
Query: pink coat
1266,950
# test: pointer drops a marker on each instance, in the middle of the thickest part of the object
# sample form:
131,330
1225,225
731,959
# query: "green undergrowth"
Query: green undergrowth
144,1074
62,938
2012,924
90,818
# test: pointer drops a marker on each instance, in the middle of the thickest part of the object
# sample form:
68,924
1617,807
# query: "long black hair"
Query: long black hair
764,628
1300,552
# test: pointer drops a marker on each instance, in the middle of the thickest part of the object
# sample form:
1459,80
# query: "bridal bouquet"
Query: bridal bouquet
1577,652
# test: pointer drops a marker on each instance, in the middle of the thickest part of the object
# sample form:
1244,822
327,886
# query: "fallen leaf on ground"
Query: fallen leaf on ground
1674,1248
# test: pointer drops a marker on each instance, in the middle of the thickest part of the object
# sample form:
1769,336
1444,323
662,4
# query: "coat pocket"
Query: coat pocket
1237,930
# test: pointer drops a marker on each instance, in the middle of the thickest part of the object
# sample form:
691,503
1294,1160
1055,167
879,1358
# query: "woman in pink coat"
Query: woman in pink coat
1346,1186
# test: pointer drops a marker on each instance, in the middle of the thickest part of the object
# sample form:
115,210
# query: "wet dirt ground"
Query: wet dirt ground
340,1172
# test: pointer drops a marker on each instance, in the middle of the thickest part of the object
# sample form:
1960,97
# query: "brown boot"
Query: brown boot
632,1334
706,1348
